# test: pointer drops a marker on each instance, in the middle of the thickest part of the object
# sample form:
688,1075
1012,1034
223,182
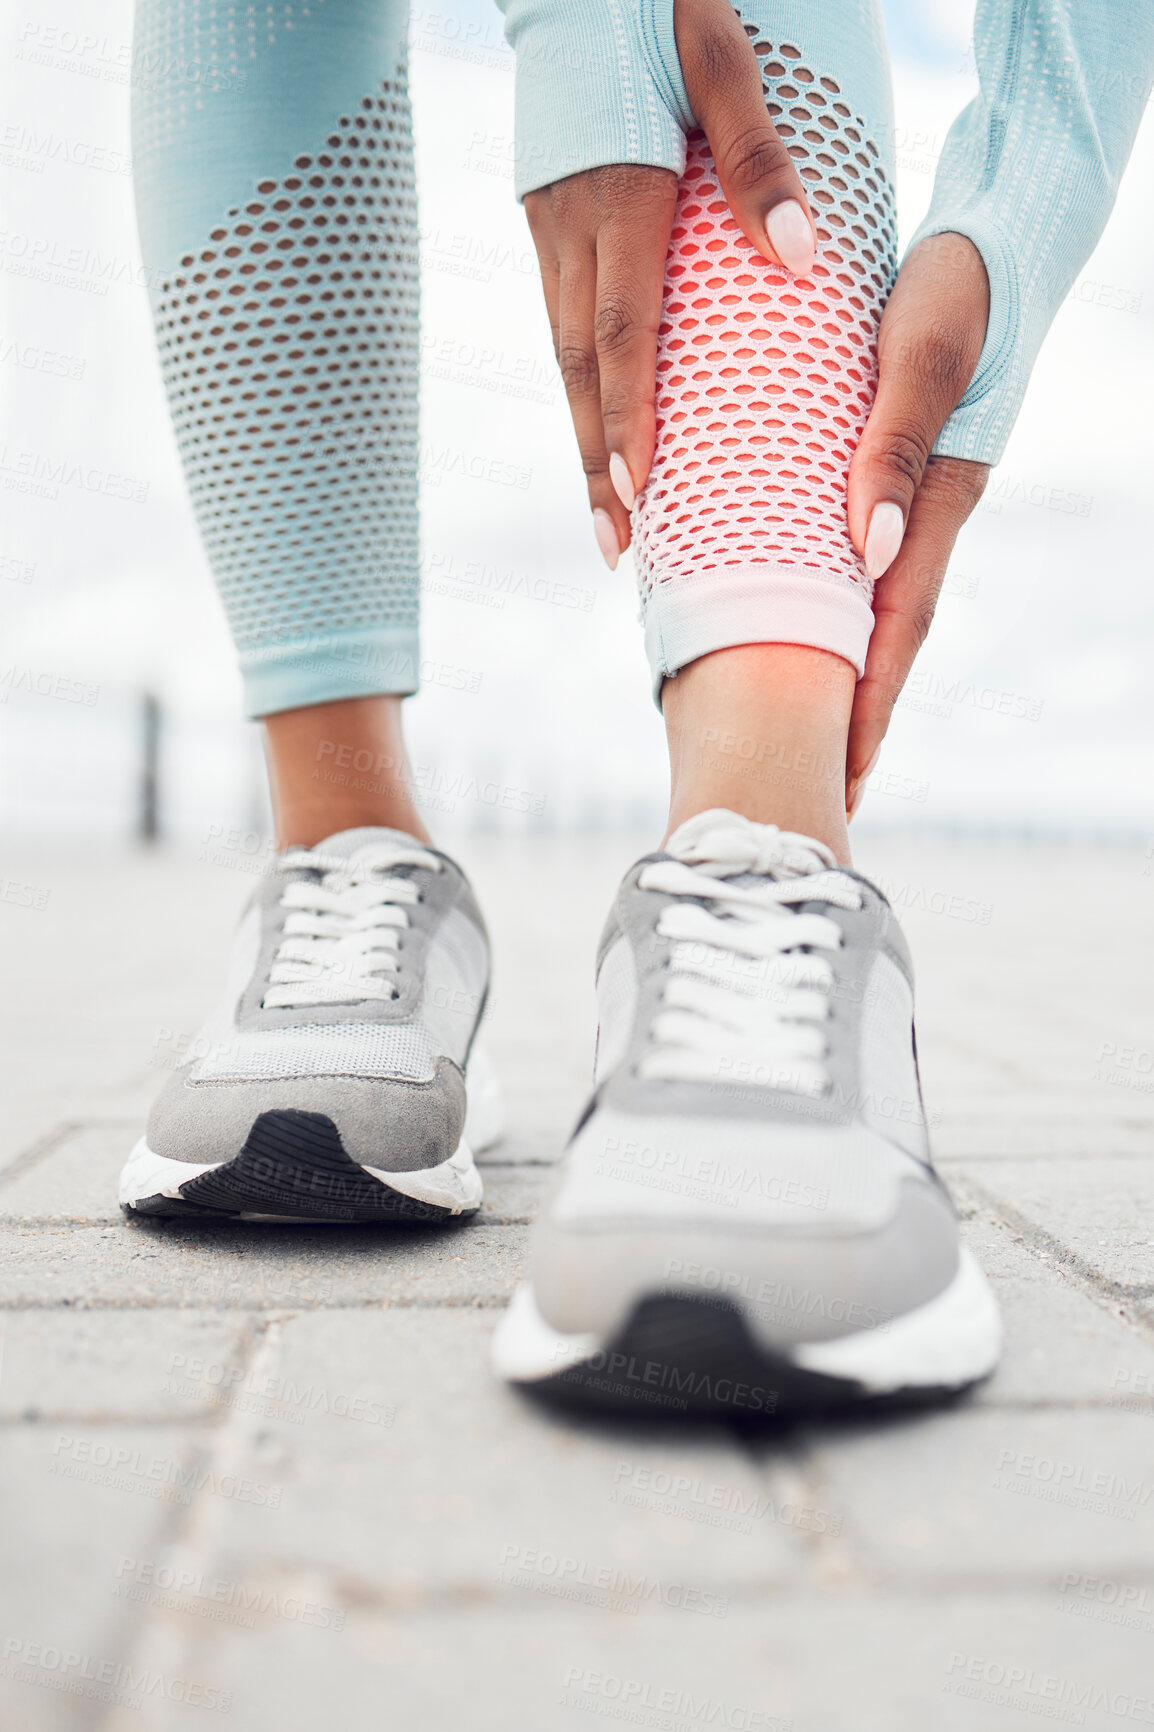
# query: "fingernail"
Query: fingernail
606,532
622,480
883,538
790,236
856,791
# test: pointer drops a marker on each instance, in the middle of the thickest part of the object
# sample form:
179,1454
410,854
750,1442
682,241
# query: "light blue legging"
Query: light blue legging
277,212
278,221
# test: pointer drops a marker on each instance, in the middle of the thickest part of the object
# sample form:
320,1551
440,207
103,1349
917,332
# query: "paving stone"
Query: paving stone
1014,1136
76,1180
863,1570
66,1531
103,1365
411,1471
1060,1343
971,1490
1101,1210
792,1662
221,1267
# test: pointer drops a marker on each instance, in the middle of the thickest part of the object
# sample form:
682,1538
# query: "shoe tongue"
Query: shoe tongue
731,846
346,843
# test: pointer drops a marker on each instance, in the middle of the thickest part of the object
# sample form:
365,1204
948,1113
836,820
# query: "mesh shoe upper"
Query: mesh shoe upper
757,1117
357,983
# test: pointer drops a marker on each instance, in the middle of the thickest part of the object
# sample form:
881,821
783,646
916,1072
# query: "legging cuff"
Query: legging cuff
752,604
364,663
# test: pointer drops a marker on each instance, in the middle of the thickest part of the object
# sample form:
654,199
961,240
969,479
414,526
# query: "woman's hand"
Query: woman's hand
602,239
906,507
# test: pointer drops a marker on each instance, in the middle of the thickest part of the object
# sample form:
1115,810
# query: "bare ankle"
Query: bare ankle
338,766
761,729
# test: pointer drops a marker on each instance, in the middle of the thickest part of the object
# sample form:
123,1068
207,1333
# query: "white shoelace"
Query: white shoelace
746,997
343,930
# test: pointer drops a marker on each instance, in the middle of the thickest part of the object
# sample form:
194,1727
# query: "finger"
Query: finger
543,228
931,336
577,359
757,175
631,254
904,604
577,364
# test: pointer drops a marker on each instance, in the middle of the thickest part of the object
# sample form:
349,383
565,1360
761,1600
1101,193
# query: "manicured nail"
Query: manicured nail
790,236
622,480
883,538
856,791
606,532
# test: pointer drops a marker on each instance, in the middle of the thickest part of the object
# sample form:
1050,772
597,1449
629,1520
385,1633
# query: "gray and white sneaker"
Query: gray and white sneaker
340,1079
747,1220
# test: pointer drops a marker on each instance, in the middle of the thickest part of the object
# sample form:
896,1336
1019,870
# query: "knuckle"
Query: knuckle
957,483
903,457
578,368
614,326
920,618
754,158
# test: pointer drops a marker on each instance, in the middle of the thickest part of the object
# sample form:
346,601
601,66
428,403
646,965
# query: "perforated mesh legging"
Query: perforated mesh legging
277,216
277,213
764,384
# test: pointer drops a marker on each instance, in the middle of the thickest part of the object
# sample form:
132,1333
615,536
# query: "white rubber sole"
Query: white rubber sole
950,1342
455,1185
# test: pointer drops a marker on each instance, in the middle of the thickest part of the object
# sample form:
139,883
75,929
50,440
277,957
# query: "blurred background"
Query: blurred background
119,700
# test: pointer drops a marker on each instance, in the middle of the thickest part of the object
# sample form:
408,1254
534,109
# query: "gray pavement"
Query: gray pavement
266,1474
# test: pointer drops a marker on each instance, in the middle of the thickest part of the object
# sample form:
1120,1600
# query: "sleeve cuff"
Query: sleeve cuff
597,85
980,426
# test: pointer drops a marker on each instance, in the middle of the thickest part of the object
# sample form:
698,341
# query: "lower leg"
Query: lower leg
761,729
337,766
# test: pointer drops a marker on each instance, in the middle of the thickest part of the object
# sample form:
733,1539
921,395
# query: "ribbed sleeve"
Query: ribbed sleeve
1030,171
598,82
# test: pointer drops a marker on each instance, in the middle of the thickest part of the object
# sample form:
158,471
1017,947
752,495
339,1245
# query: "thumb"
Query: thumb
758,177
931,336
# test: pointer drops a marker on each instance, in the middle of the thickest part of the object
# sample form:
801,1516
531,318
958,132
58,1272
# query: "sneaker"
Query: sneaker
747,1221
340,1079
